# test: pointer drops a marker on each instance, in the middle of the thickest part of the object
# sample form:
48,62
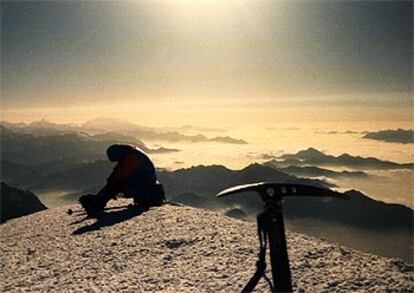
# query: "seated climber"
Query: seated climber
133,176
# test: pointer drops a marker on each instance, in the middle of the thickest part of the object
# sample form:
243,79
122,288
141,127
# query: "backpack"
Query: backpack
153,195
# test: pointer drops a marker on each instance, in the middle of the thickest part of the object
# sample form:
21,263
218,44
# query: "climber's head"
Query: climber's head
117,152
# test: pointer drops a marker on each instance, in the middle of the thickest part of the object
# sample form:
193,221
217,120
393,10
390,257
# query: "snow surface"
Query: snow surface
172,248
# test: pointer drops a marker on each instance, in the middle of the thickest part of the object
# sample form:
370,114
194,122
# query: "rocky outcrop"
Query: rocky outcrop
16,203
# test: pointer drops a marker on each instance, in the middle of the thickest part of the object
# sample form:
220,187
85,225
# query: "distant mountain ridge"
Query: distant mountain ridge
112,125
148,133
212,179
312,156
32,149
312,171
358,210
397,136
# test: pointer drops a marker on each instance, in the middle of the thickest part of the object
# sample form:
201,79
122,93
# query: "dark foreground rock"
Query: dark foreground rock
16,203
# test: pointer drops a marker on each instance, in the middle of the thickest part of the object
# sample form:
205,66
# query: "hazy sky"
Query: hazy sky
199,55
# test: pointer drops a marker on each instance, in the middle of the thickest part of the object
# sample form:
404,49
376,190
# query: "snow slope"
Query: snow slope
171,249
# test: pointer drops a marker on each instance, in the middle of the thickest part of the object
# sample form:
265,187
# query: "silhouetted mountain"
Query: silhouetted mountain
311,171
337,132
147,133
32,150
41,127
398,135
359,210
16,203
206,181
227,139
312,156
200,179
44,128
211,179
121,128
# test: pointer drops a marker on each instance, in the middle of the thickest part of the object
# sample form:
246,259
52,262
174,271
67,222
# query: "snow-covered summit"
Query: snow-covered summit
171,248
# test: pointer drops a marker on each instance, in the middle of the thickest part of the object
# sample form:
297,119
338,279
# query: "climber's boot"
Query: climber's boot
92,204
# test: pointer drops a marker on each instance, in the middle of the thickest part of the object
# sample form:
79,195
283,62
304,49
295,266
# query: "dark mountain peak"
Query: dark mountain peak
390,135
254,166
259,171
312,156
347,156
310,153
367,202
312,171
204,168
228,139
312,150
354,192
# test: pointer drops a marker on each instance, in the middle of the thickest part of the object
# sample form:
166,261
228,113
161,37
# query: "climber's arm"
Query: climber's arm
120,173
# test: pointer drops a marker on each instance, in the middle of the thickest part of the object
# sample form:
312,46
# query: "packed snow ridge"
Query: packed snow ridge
172,248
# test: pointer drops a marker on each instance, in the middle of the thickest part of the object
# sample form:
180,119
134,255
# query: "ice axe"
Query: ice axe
271,228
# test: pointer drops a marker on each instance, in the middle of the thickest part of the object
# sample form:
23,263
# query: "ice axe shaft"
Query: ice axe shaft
278,250
271,225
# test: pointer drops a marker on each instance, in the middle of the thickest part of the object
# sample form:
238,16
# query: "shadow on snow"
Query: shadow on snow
111,218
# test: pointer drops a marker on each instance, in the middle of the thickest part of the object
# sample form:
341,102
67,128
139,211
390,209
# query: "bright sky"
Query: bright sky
207,62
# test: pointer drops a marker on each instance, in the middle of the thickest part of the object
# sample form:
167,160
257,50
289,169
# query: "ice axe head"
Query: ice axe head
276,191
